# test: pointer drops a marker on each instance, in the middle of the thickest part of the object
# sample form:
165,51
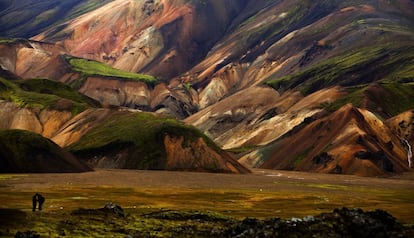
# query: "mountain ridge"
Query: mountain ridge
249,74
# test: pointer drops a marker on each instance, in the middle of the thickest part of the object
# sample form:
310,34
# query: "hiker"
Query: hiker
37,198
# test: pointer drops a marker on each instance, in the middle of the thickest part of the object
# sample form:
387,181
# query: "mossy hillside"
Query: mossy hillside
393,99
16,145
42,94
360,67
27,152
46,86
94,68
141,134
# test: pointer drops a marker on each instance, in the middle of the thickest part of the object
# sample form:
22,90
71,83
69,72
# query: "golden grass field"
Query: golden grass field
262,194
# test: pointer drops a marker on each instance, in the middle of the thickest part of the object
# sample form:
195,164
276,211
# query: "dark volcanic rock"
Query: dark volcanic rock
340,223
109,208
27,234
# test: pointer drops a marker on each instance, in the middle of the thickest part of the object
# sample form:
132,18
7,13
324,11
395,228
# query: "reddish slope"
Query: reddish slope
350,141
160,37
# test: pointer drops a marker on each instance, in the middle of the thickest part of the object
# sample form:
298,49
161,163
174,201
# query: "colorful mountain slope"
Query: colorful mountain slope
106,138
349,141
146,141
250,74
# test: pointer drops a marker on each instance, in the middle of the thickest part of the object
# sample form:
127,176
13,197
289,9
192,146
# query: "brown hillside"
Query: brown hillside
350,141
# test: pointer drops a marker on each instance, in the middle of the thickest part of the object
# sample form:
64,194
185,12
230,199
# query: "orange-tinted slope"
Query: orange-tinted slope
350,141
163,37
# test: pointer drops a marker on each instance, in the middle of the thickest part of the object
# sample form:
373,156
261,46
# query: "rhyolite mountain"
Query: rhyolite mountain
99,137
322,86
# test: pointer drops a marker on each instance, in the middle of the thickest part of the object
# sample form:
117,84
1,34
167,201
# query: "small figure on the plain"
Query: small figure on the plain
37,198
34,201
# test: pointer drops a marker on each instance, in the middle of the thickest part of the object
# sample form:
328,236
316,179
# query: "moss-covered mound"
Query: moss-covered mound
27,152
146,141
44,93
94,68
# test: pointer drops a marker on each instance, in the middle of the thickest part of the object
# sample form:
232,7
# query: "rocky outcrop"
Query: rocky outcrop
402,125
339,223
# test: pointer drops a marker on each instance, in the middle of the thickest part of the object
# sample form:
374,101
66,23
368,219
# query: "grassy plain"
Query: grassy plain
263,194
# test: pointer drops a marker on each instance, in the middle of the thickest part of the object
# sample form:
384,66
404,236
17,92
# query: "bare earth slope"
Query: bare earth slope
350,141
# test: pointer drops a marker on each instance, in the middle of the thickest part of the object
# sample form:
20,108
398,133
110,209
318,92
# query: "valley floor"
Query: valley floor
263,194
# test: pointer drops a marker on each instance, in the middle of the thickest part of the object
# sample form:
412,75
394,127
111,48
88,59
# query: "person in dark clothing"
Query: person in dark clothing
37,198
41,200
34,201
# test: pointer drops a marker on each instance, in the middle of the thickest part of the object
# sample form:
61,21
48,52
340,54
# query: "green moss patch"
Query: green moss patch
7,40
94,68
44,93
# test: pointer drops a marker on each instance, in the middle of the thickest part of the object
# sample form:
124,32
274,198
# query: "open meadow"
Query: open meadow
263,194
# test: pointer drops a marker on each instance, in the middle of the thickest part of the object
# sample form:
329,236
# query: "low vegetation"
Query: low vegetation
367,65
94,68
44,93
7,40
76,211
381,98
